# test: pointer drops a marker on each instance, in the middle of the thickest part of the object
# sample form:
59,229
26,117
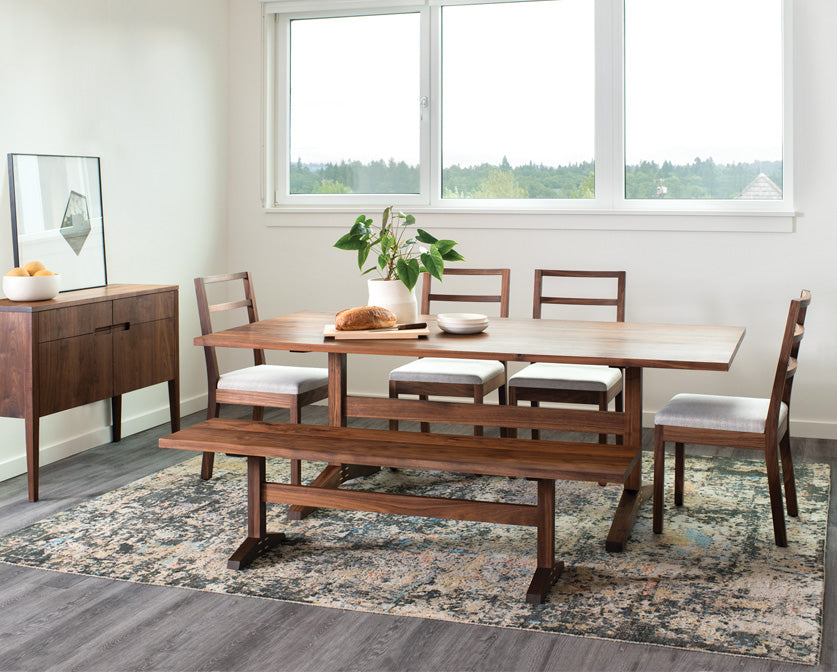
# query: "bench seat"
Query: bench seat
346,447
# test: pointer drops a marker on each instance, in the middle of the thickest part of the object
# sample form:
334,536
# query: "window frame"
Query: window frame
609,133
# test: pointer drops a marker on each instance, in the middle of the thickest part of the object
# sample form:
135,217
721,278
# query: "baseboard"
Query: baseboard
16,464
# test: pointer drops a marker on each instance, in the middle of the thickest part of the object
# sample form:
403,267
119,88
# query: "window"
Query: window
353,108
541,105
518,100
703,99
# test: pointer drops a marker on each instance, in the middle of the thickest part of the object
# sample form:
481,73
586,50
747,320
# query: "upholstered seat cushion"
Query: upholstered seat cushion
275,379
709,411
548,376
438,370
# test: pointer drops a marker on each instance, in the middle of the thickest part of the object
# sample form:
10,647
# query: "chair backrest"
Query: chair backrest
502,298
786,369
617,300
206,310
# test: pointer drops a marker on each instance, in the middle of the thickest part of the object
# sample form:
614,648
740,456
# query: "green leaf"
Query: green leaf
408,272
453,255
433,262
369,270
385,218
350,242
423,237
409,220
445,245
362,254
383,260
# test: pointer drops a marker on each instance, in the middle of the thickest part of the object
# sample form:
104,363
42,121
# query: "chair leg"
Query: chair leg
393,394
425,426
774,485
603,407
501,393
659,478
788,475
679,469
478,399
511,432
213,410
207,464
619,405
536,433
296,465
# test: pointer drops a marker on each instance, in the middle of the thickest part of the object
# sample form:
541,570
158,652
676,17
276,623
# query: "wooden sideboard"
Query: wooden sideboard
84,346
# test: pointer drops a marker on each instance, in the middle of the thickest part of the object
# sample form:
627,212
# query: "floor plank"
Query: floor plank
53,621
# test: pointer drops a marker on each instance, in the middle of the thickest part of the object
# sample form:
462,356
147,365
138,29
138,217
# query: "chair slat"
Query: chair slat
578,301
219,307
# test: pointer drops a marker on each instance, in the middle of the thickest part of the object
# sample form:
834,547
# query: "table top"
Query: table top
624,344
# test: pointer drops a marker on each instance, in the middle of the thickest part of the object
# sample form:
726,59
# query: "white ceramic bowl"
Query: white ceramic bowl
463,328
35,288
462,318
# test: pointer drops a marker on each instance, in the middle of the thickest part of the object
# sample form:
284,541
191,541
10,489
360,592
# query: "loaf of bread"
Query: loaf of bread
364,317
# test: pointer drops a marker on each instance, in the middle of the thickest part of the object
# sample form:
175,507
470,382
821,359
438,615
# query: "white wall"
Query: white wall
143,85
742,279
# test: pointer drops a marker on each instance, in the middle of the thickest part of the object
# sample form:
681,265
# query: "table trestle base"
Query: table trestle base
540,516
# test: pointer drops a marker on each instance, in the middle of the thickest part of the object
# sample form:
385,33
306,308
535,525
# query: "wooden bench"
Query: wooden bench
343,447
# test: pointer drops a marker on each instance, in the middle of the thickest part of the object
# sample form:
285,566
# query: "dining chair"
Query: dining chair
743,422
474,378
572,383
262,385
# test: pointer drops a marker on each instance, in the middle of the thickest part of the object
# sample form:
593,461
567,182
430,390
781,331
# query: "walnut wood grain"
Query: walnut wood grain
445,452
336,444
666,346
61,353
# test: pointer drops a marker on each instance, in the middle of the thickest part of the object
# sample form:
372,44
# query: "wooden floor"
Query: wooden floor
52,621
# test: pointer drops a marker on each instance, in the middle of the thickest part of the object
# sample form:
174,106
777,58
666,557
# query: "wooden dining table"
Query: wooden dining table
632,347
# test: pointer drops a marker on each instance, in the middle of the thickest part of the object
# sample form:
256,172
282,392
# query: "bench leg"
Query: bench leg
548,569
258,538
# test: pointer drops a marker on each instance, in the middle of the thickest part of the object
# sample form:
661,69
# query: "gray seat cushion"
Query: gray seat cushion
548,376
274,379
439,370
709,411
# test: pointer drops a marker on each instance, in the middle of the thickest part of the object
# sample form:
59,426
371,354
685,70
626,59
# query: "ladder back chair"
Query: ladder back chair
261,385
472,378
572,383
744,422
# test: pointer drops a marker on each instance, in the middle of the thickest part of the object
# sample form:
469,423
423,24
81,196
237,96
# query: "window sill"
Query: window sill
587,220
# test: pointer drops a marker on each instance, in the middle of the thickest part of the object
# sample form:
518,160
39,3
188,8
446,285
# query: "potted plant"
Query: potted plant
399,254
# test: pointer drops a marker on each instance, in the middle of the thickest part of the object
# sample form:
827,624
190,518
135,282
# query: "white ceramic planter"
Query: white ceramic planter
395,296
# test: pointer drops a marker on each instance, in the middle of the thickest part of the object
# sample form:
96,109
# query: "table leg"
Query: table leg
258,538
334,474
634,493
548,569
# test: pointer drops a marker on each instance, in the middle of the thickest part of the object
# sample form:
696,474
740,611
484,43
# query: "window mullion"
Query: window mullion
431,116
609,126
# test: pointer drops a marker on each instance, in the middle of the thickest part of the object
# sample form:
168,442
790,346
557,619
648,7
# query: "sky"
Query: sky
518,81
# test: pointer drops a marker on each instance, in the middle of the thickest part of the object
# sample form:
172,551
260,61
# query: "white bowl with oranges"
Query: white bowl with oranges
31,282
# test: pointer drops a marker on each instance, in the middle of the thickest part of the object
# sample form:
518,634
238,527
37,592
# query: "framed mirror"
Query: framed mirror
57,218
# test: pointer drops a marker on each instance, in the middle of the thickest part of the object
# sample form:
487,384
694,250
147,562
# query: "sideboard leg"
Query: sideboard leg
174,404
32,455
116,418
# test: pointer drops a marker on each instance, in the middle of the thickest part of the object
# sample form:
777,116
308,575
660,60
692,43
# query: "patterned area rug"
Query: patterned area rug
714,581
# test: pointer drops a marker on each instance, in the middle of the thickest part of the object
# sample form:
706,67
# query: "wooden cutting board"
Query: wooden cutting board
329,331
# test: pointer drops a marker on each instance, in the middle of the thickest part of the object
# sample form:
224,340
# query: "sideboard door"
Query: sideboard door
145,341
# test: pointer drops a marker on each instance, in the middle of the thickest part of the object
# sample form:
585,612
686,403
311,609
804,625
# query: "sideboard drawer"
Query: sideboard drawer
74,321
145,308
